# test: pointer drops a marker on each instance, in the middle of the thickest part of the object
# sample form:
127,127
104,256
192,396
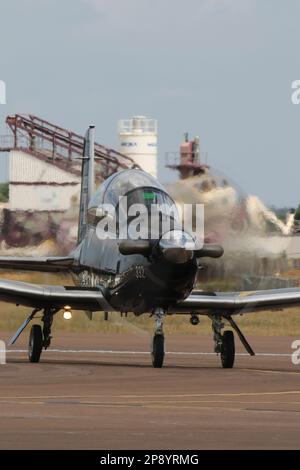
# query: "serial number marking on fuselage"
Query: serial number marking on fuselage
140,272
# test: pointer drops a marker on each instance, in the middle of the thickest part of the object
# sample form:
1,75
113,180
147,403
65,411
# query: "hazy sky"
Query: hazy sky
221,69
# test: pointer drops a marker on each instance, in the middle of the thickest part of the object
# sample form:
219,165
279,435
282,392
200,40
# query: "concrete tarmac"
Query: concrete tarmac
94,391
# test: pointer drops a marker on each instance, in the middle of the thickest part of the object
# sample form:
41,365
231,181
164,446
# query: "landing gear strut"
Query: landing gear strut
224,343
158,349
39,337
47,320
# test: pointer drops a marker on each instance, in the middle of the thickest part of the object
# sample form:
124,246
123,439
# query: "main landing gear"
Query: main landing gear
224,343
158,341
40,338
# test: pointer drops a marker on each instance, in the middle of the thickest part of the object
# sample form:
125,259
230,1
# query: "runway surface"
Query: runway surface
100,392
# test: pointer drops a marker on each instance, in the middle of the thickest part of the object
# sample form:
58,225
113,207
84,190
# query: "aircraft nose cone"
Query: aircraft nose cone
177,246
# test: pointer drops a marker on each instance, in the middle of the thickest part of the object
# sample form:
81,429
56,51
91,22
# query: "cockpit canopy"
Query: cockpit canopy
138,186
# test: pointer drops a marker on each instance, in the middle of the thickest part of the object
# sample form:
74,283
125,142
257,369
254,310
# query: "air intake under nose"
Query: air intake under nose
177,255
177,246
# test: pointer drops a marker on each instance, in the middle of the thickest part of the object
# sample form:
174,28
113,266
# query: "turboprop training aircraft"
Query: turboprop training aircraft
147,275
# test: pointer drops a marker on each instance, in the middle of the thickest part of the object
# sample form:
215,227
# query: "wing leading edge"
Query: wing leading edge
42,296
49,264
230,303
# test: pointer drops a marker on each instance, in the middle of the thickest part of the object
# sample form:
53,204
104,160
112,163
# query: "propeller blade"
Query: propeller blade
135,247
210,251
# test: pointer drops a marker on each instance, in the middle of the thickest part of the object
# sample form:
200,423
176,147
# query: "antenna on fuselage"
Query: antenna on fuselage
87,180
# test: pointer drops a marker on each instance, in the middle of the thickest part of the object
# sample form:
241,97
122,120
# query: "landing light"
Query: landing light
67,313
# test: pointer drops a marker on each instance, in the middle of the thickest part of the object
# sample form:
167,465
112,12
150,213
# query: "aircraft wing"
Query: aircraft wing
41,296
230,303
38,263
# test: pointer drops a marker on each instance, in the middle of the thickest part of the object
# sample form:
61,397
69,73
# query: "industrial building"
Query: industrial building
37,185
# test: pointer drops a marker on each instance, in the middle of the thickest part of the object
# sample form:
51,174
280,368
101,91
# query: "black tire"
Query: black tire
227,350
158,351
35,345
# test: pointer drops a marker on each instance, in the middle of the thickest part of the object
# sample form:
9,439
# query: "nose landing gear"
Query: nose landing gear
158,341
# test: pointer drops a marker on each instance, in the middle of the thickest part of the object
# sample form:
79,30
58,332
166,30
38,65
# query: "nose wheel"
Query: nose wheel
158,350
35,345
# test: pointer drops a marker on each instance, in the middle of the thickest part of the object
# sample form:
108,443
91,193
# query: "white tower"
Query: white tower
138,140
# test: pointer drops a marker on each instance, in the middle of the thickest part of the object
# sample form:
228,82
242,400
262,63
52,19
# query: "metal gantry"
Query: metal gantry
59,146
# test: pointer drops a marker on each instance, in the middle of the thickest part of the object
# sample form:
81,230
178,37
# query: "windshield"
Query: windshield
121,184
